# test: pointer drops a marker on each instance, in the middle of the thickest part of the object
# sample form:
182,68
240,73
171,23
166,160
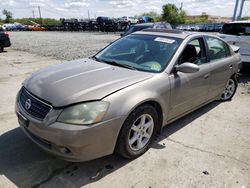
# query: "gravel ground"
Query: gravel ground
61,45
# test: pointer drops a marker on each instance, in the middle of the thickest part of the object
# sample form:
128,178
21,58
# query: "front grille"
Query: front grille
37,108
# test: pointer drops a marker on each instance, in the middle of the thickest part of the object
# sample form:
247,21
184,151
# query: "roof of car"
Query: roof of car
165,32
241,21
144,24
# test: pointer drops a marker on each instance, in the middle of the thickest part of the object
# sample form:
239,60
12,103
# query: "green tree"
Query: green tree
8,16
245,18
173,15
32,21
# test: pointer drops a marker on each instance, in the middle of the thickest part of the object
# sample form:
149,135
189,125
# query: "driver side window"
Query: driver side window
194,52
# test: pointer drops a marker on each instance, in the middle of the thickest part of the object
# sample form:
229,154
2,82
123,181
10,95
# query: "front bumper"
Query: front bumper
6,43
73,142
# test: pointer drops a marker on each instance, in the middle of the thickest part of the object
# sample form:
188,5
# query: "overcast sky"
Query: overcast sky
115,8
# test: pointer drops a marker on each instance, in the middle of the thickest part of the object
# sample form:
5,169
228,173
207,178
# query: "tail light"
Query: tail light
6,34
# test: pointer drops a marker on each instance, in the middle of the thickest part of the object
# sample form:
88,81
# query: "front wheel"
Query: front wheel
1,48
137,132
229,90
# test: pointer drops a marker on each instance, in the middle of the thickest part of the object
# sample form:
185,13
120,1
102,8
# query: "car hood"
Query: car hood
81,80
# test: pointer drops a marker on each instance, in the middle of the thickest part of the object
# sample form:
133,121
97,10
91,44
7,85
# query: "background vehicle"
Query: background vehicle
106,24
9,27
130,20
36,28
139,27
238,33
145,19
4,39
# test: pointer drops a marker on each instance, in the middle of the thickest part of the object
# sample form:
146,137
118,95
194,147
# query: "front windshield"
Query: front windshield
142,52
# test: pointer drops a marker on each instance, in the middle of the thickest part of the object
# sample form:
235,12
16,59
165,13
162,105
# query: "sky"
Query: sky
114,8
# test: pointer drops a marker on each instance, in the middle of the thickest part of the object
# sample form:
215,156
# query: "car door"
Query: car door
189,90
244,42
221,65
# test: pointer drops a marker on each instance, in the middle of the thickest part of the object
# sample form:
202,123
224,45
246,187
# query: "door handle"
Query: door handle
207,76
231,66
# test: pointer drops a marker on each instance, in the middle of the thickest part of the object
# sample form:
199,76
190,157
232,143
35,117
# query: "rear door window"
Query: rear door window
217,49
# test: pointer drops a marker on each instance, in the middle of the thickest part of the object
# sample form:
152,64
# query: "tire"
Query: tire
1,48
229,90
138,132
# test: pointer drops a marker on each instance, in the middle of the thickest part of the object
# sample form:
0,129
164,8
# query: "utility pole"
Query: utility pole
181,6
240,4
88,15
33,13
241,8
235,10
39,10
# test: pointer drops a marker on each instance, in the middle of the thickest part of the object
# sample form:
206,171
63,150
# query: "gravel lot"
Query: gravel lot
61,45
207,148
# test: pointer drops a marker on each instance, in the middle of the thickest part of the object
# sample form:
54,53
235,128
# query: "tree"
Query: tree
172,14
245,18
31,21
8,15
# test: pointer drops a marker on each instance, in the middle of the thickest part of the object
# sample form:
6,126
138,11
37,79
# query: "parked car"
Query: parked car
106,24
238,33
129,20
9,27
4,39
145,19
139,27
36,28
118,99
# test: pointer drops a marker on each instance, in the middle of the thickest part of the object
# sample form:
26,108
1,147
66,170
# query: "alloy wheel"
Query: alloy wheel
229,90
141,132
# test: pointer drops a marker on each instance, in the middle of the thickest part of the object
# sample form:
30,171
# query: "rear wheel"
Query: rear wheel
137,132
229,90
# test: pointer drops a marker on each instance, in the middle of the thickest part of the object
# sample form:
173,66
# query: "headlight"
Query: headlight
84,113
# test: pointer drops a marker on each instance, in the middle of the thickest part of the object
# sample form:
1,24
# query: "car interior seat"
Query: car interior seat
150,54
189,54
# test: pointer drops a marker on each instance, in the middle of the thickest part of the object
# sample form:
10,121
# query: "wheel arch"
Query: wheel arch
157,107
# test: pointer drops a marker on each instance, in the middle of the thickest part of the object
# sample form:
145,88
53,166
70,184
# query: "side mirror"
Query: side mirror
235,48
187,68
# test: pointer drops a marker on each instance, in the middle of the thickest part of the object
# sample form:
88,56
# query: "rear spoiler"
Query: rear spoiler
236,49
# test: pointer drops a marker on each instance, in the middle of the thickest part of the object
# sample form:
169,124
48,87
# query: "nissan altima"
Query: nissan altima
117,100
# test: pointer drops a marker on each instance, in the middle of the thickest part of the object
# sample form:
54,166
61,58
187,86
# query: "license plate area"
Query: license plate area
22,120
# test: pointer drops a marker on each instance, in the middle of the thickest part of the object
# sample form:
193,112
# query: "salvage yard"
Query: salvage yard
207,148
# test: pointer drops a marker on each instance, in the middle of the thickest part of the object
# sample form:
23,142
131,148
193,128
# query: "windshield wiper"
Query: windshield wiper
120,65
114,63
95,58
